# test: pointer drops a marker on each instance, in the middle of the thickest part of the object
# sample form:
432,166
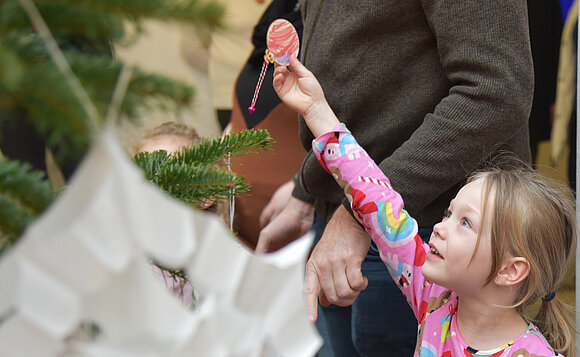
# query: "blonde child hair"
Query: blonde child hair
534,217
173,128
179,131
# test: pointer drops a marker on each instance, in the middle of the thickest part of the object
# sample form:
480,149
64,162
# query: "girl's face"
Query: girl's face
449,262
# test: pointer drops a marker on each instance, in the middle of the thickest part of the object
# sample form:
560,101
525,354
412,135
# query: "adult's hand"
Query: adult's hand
333,272
277,203
292,223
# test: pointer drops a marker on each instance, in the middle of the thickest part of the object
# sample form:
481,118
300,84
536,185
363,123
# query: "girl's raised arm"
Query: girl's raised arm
298,88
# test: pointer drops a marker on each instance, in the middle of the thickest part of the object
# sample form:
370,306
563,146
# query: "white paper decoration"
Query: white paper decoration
78,283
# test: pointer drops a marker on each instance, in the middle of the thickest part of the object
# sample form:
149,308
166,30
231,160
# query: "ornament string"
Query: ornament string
232,199
268,58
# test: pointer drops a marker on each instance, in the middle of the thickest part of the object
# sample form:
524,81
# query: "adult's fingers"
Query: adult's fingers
292,223
277,203
311,290
267,238
266,215
356,280
322,300
324,271
263,244
332,279
272,238
341,293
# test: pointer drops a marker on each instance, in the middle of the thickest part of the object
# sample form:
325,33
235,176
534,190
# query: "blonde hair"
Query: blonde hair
534,217
173,128
169,128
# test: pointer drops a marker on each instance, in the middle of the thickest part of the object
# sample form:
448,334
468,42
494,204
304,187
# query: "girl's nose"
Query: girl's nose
439,230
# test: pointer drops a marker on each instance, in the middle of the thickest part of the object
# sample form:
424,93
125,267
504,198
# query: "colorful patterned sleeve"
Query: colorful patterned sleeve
379,209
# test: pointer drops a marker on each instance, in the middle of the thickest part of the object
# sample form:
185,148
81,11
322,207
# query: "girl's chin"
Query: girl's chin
428,272
436,275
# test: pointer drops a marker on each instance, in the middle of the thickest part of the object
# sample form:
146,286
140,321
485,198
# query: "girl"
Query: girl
504,242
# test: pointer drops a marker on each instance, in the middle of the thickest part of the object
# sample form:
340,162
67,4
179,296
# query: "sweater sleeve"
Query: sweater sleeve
379,209
485,54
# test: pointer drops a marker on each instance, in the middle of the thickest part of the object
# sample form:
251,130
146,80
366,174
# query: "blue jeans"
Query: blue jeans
380,321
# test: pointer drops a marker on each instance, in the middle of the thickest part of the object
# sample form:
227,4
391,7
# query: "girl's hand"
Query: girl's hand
300,90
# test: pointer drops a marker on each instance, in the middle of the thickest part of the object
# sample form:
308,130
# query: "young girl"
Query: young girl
504,242
171,137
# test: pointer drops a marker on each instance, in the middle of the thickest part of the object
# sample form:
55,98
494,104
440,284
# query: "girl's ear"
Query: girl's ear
512,271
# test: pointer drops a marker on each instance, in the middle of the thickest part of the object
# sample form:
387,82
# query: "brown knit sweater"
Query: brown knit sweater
428,88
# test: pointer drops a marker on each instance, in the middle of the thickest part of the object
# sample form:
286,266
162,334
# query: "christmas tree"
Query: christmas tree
59,75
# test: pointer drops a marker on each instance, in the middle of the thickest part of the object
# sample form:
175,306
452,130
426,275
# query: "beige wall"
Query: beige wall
171,50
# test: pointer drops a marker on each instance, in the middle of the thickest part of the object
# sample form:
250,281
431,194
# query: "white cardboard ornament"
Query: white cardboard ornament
84,263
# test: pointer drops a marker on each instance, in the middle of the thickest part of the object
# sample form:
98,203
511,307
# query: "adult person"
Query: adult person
228,50
264,171
433,88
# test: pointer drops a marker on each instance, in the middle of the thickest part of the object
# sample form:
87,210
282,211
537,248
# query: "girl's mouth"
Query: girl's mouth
435,252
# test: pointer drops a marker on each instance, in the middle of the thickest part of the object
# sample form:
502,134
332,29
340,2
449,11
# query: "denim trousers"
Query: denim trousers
380,321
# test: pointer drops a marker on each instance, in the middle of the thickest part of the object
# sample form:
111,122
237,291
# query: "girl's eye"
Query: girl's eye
446,214
465,222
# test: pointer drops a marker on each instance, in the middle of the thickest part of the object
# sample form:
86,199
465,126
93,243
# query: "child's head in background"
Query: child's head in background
169,136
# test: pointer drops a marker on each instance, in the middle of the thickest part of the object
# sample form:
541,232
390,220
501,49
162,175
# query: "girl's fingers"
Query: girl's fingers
296,66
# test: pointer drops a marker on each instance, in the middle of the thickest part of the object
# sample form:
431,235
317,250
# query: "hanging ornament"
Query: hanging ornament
282,42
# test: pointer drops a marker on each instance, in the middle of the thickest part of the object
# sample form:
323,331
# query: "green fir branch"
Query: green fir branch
64,20
53,107
196,174
170,95
13,220
209,151
234,145
29,187
34,89
99,76
204,12
24,194
96,19
197,184
188,182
